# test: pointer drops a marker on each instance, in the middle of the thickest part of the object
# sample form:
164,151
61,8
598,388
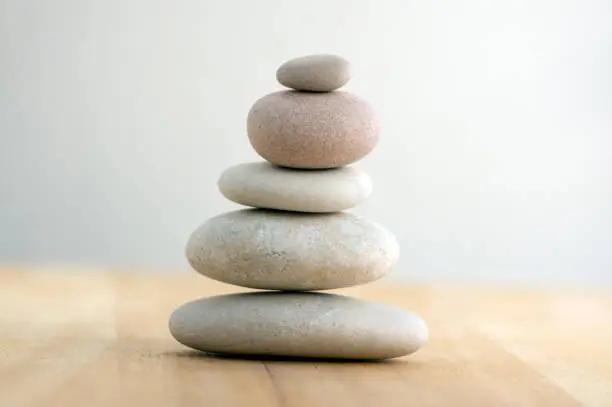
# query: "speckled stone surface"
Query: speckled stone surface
316,73
263,185
298,325
278,250
312,130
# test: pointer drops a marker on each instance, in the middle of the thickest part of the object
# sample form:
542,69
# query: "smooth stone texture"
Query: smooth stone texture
314,325
315,73
263,185
277,250
312,130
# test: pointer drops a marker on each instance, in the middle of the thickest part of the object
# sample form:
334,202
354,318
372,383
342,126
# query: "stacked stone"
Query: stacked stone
297,239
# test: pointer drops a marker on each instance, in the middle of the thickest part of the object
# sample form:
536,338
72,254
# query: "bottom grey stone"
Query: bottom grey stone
315,325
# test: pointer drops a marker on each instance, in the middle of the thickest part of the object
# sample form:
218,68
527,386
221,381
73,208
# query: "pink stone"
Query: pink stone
312,130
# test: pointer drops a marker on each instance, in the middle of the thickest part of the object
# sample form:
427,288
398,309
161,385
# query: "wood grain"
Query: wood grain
101,339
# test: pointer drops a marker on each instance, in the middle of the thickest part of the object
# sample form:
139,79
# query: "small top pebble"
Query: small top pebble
315,73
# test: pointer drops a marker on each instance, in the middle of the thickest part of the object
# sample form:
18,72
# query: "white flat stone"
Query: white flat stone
263,185
312,325
278,250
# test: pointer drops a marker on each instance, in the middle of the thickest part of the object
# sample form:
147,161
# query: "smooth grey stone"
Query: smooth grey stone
314,325
278,250
315,73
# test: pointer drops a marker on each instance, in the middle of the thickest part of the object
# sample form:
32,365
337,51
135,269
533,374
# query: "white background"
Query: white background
117,117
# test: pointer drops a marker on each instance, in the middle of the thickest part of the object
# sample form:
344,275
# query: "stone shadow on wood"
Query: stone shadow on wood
194,354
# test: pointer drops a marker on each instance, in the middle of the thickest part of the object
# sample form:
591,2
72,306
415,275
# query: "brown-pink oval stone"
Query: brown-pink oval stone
312,130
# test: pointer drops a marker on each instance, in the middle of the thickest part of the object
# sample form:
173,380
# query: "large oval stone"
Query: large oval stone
314,325
278,250
312,130
264,185
315,73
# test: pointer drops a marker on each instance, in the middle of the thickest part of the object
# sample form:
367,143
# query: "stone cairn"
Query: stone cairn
295,239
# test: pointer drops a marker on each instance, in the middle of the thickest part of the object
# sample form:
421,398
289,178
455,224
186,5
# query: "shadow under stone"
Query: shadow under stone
194,354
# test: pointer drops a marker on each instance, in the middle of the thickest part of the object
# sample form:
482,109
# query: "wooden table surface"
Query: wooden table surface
101,339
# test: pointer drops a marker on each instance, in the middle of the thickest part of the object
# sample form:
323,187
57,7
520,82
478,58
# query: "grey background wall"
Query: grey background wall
117,117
